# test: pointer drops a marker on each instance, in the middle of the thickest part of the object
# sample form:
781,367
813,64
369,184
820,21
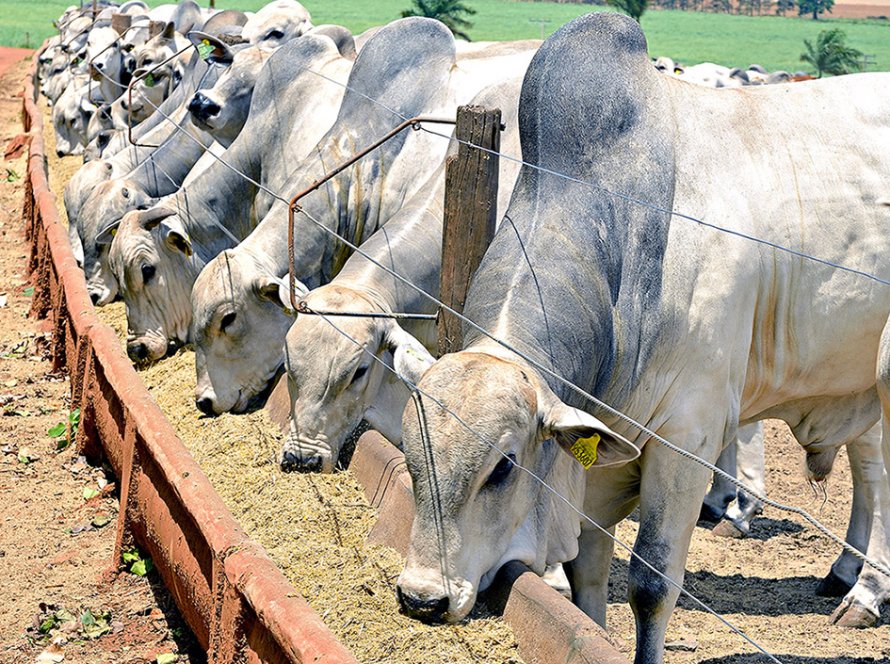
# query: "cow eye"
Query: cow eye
148,271
227,320
361,371
500,472
275,34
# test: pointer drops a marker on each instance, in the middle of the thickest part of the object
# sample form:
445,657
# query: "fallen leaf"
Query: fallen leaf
89,493
10,383
130,557
142,567
167,658
29,291
57,430
101,521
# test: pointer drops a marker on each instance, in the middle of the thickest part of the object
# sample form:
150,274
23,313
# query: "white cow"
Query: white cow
689,330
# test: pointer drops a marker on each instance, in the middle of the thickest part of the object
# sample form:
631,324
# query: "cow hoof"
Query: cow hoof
853,616
710,514
729,529
555,577
832,586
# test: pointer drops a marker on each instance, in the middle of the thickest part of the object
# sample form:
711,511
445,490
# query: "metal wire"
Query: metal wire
622,416
686,454
415,390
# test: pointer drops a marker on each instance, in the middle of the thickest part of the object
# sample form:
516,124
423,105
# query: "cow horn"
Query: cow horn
151,218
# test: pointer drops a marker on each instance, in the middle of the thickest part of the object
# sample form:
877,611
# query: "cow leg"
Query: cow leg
589,572
722,491
861,606
672,488
751,469
866,467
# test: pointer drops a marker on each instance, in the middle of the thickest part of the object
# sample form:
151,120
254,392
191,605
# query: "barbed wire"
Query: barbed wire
806,516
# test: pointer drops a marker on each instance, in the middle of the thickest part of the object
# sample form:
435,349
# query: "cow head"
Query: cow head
239,325
475,509
335,382
276,23
222,110
104,58
150,87
71,118
101,213
152,259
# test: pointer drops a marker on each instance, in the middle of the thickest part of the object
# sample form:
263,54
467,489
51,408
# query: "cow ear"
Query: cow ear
169,31
176,237
211,48
106,235
586,438
277,291
410,358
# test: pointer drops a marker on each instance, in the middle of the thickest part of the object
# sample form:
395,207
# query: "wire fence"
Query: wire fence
525,356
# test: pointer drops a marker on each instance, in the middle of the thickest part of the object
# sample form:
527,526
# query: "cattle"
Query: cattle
409,65
105,57
157,73
332,384
222,110
176,238
160,174
154,131
690,331
277,22
70,117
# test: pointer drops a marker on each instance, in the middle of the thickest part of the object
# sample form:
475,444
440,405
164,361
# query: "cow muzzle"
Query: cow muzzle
203,109
305,455
425,609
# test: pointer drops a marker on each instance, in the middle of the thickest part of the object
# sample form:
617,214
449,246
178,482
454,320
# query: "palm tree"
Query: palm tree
831,55
450,12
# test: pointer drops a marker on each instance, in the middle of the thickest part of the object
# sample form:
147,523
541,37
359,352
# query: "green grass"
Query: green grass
774,42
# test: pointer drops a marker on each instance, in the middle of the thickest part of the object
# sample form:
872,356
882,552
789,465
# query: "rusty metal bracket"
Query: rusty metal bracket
303,308
292,207
135,80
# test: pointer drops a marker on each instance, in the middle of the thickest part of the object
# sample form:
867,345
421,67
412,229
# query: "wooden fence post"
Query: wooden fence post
471,195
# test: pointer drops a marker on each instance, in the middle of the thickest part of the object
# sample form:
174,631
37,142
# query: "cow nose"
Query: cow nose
205,405
60,153
137,351
98,65
425,610
202,107
292,461
94,298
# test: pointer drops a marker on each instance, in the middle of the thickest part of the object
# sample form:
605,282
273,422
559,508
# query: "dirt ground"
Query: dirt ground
764,584
854,9
58,599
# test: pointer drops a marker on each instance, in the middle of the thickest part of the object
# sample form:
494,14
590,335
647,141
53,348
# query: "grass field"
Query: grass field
774,42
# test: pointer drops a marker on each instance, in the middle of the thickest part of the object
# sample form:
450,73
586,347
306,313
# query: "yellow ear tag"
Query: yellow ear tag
205,49
113,232
584,450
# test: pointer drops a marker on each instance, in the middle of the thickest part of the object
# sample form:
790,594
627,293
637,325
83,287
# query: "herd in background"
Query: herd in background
198,126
